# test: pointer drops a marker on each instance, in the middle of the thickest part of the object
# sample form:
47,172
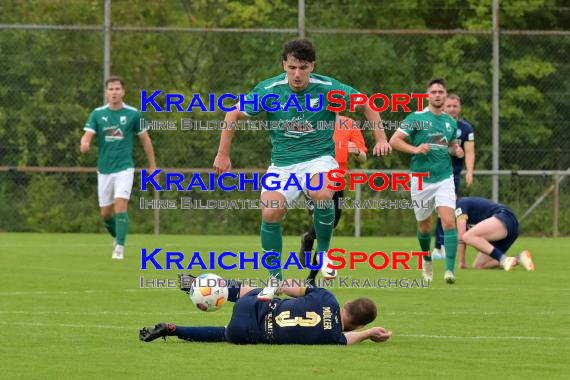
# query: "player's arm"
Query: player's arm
469,161
294,290
375,334
398,142
461,247
357,146
148,150
86,141
222,163
382,146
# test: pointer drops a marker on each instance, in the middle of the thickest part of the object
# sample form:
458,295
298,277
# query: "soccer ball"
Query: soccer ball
209,292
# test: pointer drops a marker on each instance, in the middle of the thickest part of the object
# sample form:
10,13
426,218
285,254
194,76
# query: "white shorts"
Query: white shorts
433,195
317,165
115,185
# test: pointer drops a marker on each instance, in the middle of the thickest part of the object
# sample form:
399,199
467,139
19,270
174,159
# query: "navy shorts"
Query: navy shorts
247,323
511,223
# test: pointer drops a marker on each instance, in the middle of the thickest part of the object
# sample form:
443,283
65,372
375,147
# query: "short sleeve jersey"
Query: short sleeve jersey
424,127
465,133
305,141
115,130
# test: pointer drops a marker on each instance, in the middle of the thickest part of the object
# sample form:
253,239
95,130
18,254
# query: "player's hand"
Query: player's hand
379,334
462,266
84,147
422,149
222,164
469,178
382,148
352,148
457,151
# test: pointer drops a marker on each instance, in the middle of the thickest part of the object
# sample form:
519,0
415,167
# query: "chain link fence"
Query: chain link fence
52,69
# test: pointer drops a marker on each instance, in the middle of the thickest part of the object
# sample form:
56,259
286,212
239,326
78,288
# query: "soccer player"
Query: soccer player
491,228
115,124
466,137
314,316
303,151
348,142
431,134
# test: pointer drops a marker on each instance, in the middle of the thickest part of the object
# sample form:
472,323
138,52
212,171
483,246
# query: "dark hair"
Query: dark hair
301,49
361,311
440,81
114,78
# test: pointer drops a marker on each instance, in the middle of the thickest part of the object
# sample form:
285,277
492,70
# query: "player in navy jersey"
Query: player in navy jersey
314,316
491,228
466,137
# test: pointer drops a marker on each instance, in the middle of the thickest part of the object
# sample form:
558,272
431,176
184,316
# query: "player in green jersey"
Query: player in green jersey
431,149
302,149
115,124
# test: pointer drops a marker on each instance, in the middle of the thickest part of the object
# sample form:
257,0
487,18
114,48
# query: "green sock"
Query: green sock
323,220
450,244
271,241
425,244
110,225
122,227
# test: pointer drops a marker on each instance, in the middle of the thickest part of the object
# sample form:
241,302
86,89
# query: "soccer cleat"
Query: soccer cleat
509,263
306,247
185,282
525,258
438,253
118,252
449,277
267,293
428,270
161,330
328,273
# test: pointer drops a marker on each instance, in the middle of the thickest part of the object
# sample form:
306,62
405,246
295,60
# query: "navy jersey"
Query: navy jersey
477,209
464,133
312,319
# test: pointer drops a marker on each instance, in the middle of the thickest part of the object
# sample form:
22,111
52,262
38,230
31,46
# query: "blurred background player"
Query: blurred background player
115,124
299,151
491,228
313,317
431,148
349,142
466,137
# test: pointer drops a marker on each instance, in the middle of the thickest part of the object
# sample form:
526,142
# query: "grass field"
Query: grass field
68,311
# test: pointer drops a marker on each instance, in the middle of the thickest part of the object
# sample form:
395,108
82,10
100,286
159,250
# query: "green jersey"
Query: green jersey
115,130
438,131
299,135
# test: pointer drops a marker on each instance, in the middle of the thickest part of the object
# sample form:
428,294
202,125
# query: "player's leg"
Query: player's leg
105,195
483,261
122,194
445,204
307,242
272,213
424,205
190,333
438,250
337,214
484,237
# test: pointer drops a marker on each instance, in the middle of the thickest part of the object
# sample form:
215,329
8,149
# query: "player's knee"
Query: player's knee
322,195
448,223
272,215
424,227
107,213
468,238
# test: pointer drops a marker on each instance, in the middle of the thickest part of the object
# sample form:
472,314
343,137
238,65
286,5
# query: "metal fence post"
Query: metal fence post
106,45
301,18
357,212
495,99
555,204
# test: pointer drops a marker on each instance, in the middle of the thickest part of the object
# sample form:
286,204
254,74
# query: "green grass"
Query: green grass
68,311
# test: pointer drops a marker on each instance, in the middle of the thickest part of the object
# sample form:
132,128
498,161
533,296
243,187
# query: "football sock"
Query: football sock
425,244
110,225
271,241
497,255
323,220
450,244
122,227
438,234
201,334
312,232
